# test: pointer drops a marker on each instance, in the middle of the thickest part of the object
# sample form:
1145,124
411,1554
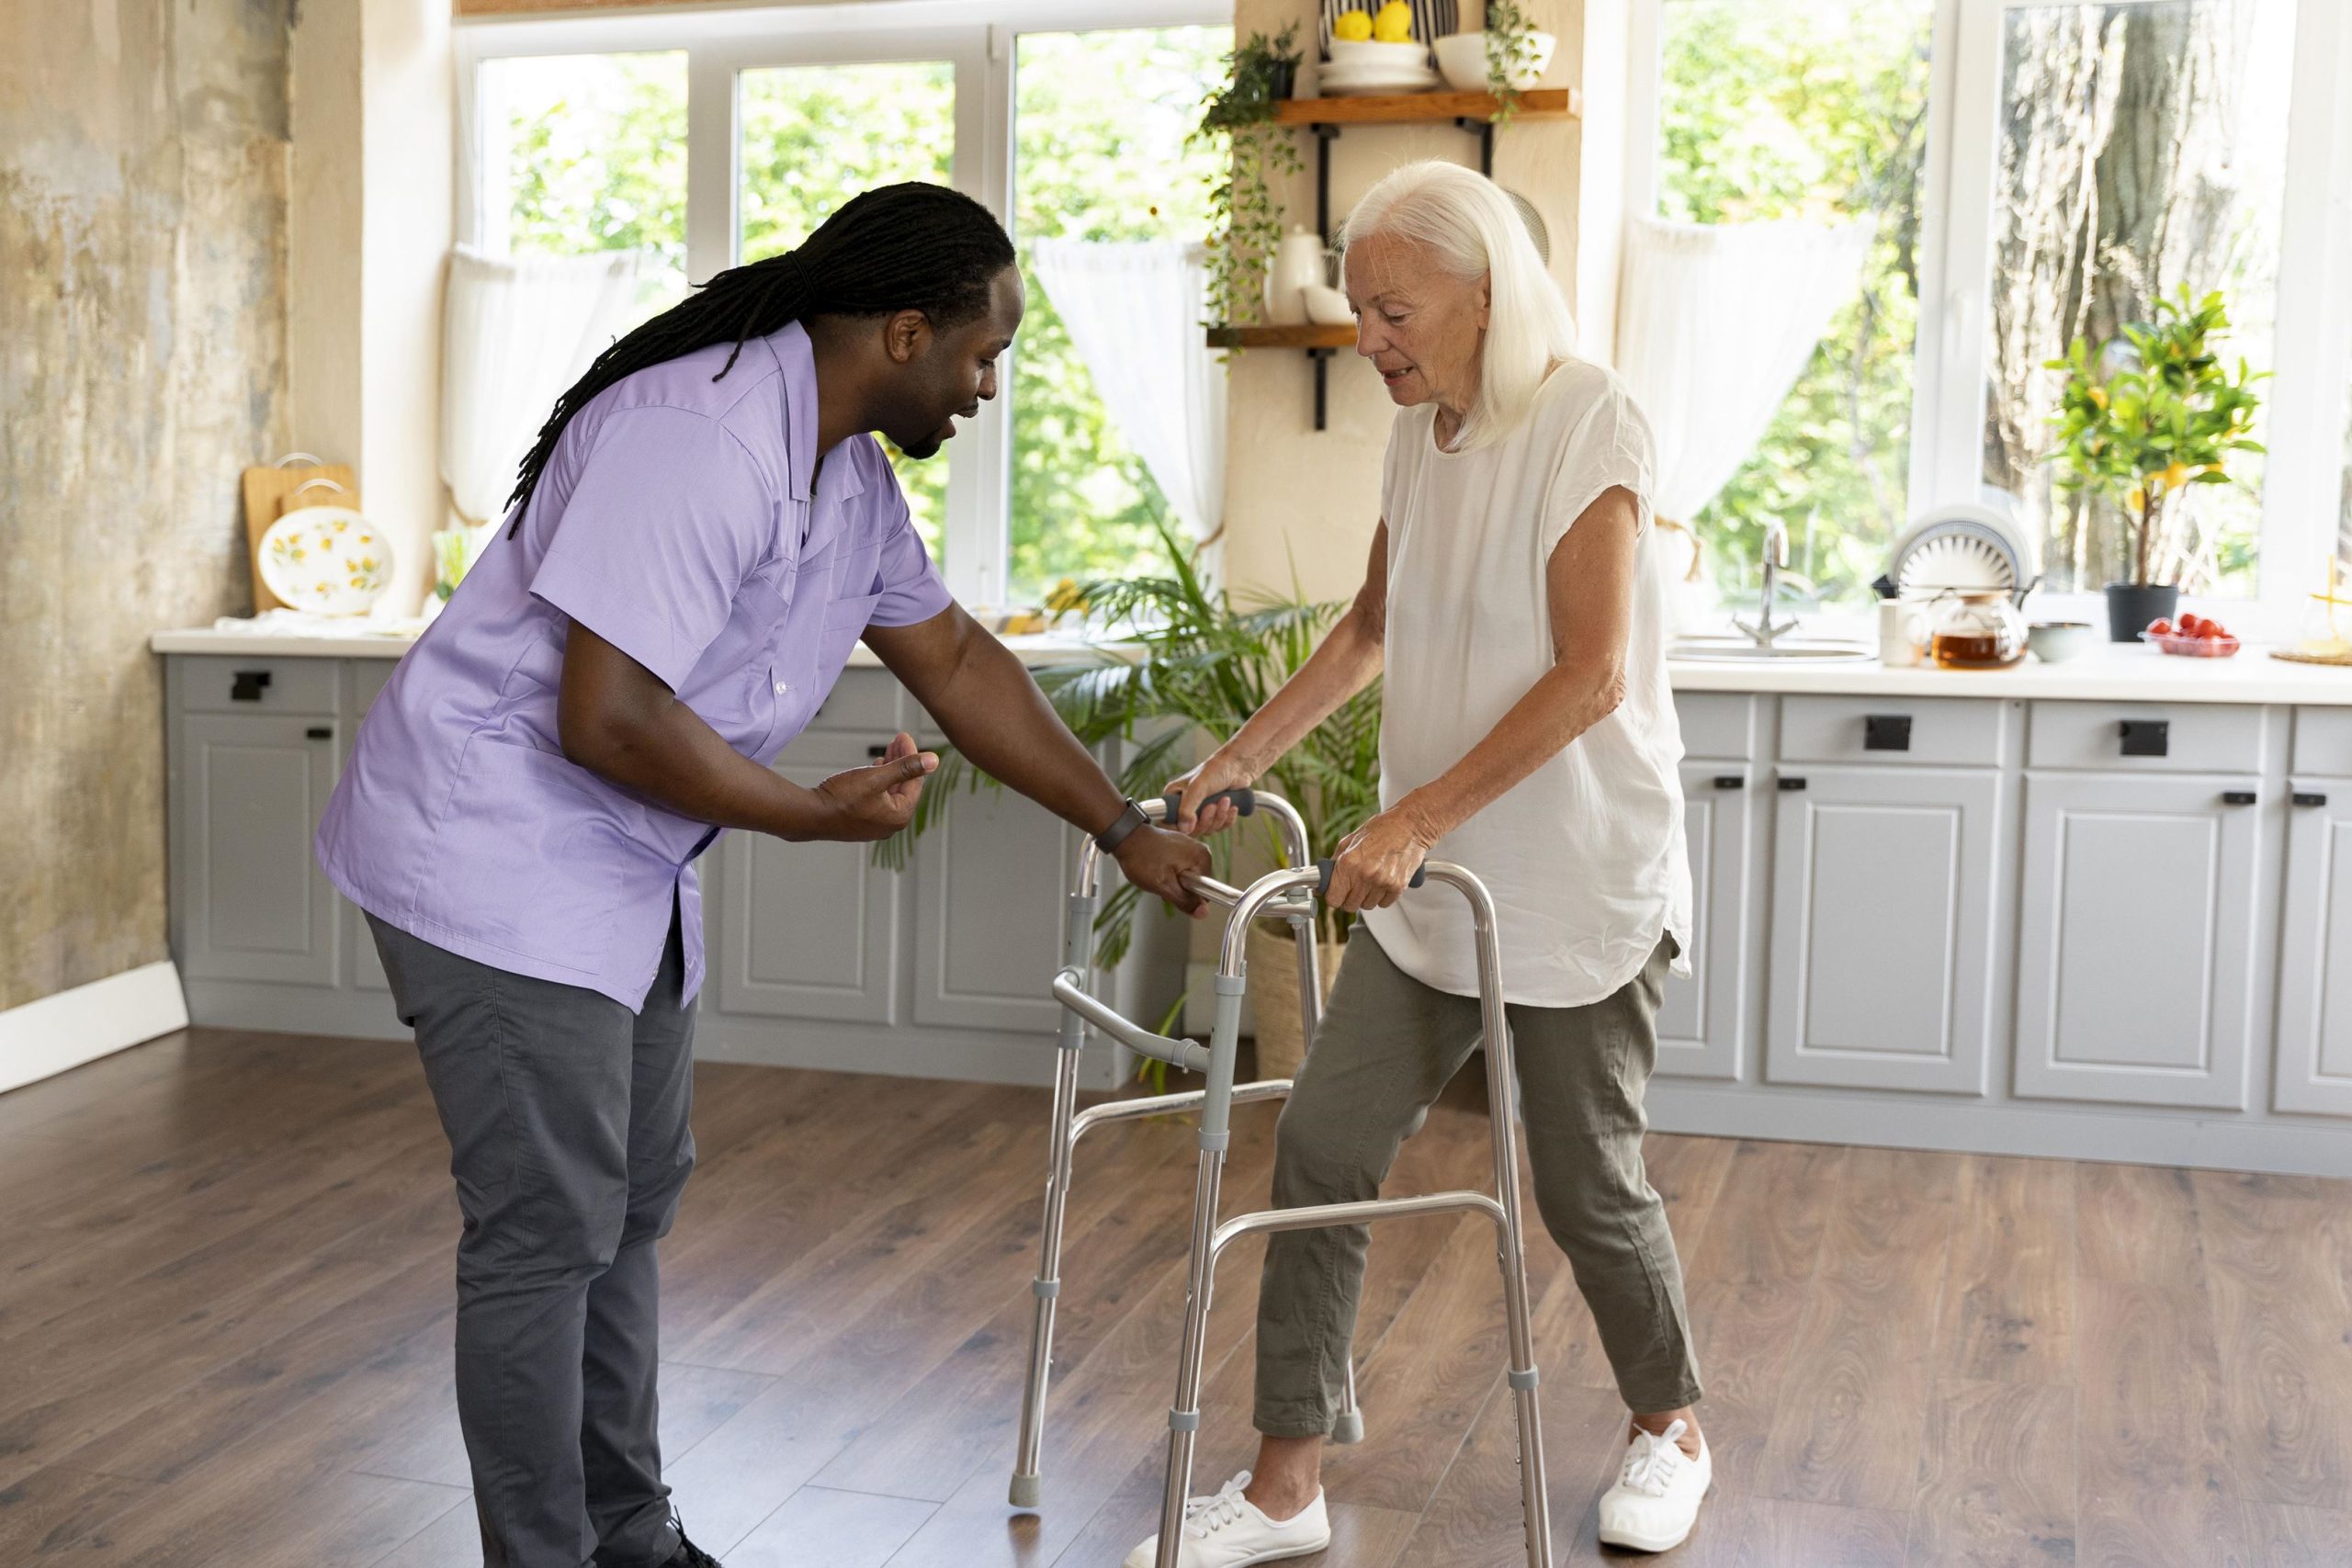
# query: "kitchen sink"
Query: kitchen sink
1730,650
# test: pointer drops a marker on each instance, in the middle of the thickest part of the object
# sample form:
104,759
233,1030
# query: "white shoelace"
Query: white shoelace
1204,1517
1652,1462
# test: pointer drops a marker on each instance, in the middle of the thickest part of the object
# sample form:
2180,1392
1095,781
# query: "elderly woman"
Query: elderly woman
1516,601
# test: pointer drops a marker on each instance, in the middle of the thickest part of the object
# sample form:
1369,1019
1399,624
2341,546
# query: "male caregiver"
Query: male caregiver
701,534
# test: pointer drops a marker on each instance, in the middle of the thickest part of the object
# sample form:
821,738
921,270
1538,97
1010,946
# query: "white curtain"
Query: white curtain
516,332
1714,324
1134,310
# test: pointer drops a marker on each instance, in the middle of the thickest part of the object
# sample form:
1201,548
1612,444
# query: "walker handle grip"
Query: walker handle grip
1244,800
1323,876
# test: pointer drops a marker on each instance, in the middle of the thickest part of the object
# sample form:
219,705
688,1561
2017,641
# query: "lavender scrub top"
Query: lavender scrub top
680,519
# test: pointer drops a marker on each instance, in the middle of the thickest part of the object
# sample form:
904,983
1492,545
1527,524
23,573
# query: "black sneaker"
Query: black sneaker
689,1555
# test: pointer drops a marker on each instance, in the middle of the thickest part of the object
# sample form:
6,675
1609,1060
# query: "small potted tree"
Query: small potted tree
2153,413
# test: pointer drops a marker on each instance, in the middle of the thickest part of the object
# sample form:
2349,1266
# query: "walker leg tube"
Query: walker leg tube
1349,1428
1184,1416
1501,1084
1046,1287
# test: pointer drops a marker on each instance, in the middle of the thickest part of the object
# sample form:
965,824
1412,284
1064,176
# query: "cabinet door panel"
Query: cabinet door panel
808,930
1699,1032
992,881
2136,940
2314,1046
259,908
1884,886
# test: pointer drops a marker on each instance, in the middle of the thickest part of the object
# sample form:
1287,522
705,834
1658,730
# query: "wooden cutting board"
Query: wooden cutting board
272,490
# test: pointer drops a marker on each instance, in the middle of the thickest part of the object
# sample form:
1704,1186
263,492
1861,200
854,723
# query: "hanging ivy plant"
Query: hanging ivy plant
1511,47
1245,218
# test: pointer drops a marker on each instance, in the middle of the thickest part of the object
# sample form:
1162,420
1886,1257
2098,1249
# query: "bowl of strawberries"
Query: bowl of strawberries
2192,637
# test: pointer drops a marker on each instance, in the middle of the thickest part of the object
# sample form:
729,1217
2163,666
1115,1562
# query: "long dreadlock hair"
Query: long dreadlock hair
901,247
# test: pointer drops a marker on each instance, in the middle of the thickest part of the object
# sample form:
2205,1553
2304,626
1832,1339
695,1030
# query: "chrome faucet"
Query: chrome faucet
1764,628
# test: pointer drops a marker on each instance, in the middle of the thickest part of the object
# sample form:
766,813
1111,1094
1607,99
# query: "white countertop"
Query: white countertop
2112,673
1035,651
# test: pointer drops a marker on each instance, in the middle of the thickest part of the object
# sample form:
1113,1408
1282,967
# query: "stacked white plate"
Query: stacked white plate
1359,70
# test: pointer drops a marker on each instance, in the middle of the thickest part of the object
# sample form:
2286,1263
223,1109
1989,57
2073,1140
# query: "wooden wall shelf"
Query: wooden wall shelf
1404,108
1311,338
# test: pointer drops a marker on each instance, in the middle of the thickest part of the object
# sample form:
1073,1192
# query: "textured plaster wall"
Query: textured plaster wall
143,176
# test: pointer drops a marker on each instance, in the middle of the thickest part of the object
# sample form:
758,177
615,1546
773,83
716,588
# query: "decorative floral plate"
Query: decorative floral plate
327,559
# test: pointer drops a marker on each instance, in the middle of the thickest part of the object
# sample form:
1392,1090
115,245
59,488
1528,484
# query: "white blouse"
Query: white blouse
1585,856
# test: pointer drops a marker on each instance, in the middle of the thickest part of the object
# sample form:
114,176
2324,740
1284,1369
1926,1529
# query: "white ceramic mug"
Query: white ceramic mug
1902,634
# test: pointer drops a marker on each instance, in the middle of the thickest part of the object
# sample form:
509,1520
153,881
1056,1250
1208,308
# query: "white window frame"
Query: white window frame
718,46
2305,400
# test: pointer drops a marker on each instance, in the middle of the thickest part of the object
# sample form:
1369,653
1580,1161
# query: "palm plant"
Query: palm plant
1177,658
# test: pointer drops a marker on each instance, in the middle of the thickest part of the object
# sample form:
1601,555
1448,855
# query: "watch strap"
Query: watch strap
1109,840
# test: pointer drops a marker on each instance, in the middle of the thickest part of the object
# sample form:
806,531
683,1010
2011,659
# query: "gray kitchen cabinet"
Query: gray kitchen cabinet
2314,1071
252,903
990,883
1885,881
2137,938
1701,1032
805,931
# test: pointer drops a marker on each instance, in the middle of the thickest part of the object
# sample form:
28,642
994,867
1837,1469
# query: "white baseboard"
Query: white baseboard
43,1038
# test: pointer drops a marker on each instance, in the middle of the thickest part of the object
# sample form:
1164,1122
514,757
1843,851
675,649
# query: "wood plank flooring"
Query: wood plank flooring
225,1310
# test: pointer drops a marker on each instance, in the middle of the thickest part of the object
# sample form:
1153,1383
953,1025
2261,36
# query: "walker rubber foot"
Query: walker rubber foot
1024,1491
1349,1428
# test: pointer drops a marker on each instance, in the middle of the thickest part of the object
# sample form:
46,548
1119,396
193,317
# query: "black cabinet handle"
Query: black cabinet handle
877,753
319,732
1886,732
2309,797
1730,781
1791,783
2239,797
246,685
2146,736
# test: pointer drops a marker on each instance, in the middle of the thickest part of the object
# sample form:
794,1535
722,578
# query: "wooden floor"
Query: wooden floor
225,1320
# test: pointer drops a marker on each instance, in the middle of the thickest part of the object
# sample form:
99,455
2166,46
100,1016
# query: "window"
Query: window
1090,109
1798,108
586,154
725,136
813,136
2037,170
2141,147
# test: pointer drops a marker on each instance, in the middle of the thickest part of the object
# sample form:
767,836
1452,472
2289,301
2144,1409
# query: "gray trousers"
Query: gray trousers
1386,1048
567,1137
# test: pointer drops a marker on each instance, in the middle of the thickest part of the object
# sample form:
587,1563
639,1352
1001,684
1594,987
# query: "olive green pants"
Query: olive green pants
1386,1047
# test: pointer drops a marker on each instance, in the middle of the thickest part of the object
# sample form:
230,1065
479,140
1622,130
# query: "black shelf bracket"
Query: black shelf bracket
1484,130
1321,359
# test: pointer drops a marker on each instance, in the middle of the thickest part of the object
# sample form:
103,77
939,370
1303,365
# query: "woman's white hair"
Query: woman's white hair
1469,227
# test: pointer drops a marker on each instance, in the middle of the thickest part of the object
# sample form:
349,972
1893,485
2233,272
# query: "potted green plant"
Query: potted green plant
1245,218
2151,414
1178,659
1516,55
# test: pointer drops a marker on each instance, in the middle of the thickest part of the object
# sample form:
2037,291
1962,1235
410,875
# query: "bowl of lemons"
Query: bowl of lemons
1376,51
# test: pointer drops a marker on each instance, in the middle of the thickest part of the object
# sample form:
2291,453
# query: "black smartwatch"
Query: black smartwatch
1109,840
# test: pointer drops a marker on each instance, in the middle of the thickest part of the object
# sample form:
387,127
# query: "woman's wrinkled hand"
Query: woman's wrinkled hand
1222,771
1376,861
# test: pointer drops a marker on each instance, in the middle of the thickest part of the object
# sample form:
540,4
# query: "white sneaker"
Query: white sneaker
1656,1500
1228,1531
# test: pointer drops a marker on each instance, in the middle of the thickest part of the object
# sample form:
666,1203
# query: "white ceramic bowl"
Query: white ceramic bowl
2054,642
1327,306
327,559
1370,55
1462,59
